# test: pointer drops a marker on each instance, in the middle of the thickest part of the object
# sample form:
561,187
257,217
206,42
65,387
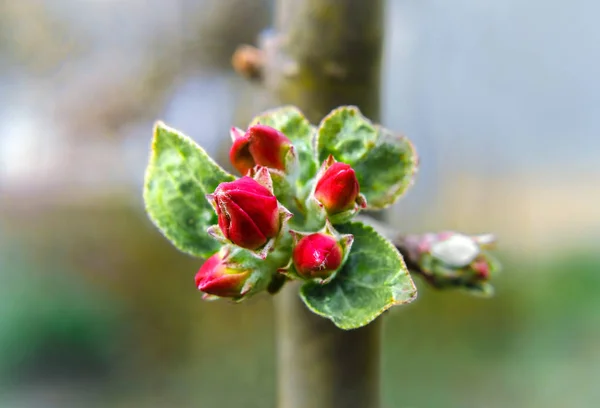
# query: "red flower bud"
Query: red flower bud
261,145
317,256
239,155
217,278
337,188
482,268
248,212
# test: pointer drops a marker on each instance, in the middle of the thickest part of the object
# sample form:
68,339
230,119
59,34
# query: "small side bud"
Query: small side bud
261,145
337,188
320,255
217,277
239,154
317,256
337,192
269,147
450,259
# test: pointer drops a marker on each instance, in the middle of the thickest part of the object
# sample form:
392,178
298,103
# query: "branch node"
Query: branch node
248,61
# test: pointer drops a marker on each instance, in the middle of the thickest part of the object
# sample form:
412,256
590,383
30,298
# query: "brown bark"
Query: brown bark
323,54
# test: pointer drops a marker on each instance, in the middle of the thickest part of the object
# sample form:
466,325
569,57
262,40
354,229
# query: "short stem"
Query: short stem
321,366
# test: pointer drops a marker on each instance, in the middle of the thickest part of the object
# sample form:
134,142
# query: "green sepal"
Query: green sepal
385,164
317,215
280,183
260,271
493,262
264,273
480,289
373,279
178,177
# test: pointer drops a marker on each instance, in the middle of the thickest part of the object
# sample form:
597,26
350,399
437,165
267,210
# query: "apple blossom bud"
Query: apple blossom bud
218,278
317,256
261,145
451,259
337,189
248,213
239,155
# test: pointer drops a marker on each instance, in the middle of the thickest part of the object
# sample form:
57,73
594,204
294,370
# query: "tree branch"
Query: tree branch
321,55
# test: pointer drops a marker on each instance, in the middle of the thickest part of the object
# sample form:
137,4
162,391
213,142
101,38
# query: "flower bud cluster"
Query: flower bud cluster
251,218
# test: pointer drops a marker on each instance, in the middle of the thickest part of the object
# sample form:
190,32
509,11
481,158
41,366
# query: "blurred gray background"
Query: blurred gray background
501,100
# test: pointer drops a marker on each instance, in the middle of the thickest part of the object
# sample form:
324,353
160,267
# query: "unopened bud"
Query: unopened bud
318,256
248,212
337,191
261,145
219,278
450,259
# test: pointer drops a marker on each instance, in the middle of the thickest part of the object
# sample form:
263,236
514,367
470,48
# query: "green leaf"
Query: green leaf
292,123
385,164
178,177
373,279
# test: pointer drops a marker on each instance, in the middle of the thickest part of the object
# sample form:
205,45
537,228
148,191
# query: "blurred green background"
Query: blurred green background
98,310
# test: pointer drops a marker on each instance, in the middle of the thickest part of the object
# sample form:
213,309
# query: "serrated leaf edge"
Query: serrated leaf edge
327,117
381,310
399,192
415,167
284,108
151,164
